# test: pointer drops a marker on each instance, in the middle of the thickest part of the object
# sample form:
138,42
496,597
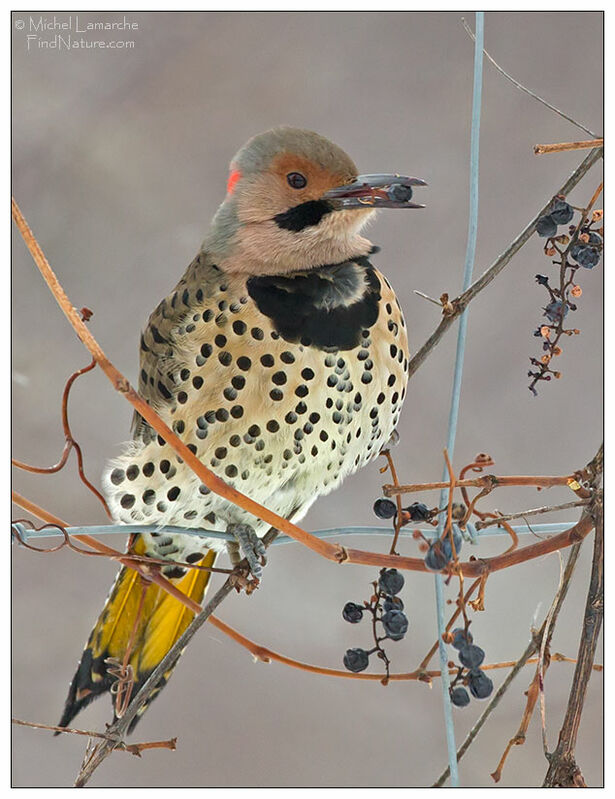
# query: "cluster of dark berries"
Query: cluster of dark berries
560,214
580,247
386,609
470,674
417,512
440,551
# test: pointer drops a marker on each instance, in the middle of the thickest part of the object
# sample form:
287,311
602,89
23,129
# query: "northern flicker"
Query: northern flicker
280,359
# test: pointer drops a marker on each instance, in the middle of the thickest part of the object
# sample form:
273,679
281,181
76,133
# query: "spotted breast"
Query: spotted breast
281,385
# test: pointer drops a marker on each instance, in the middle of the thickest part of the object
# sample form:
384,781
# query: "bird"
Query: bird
280,359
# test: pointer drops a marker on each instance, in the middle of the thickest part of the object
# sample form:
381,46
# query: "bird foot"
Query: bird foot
251,547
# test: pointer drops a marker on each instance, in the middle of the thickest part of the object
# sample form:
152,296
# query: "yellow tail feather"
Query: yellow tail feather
162,621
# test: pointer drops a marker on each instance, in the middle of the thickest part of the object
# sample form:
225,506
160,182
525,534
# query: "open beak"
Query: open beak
375,191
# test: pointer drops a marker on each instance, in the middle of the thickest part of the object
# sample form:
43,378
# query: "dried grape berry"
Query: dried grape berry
459,696
471,656
393,603
399,193
390,581
546,227
395,624
561,212
385,509
479,684
356,659
584,255
418,512
352,612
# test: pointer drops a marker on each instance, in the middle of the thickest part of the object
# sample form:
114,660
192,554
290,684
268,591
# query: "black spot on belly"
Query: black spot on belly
330,306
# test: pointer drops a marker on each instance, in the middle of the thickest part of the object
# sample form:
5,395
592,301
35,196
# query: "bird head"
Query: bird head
295,201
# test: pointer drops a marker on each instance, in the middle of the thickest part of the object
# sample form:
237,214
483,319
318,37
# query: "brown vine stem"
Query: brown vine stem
486,480
266,655
398,516
461,302
540,149
133,749
69,443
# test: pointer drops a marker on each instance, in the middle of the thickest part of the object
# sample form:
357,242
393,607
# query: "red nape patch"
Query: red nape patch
232,180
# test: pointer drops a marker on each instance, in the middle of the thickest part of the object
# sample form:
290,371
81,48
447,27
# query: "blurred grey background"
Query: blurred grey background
119,160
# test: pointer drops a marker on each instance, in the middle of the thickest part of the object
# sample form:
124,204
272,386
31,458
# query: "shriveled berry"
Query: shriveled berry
399,193
471,656
461,637
595,239
479,684
393,603
561,212
390,581
385,508
436,559
585,255
395,623
556,310
546,227
418,512
352,612
356,659
459,696
542,280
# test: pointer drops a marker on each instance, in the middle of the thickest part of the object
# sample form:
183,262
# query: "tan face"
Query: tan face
262,246
260,197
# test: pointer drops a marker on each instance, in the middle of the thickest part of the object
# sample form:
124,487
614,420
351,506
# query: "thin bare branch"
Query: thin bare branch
524,88
132,749
531,512
543,655
563,770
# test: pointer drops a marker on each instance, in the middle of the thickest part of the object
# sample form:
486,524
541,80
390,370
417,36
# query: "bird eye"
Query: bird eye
296,180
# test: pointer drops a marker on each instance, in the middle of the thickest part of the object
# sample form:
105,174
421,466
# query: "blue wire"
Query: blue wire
454,411
26,533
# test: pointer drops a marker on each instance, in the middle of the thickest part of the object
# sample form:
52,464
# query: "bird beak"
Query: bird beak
375,191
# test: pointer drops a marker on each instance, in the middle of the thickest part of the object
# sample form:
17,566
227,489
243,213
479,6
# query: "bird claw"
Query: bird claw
251,546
